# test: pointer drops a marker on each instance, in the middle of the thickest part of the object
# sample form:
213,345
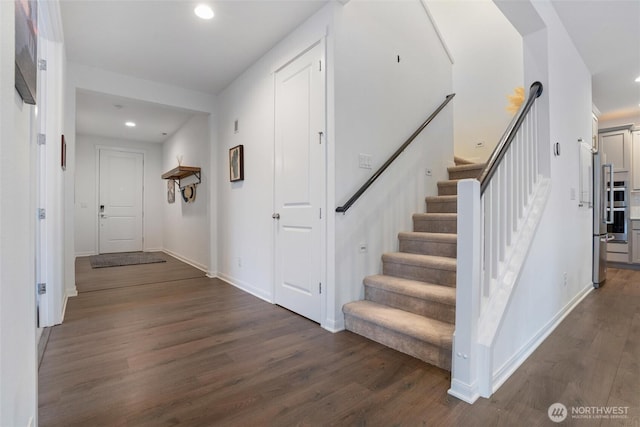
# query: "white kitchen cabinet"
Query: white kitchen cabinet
616,148
635,241
635,181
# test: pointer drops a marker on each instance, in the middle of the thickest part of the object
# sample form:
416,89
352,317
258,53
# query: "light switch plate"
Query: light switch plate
364,161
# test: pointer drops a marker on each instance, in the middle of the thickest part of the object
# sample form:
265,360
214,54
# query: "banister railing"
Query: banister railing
507,138
394,156
497,219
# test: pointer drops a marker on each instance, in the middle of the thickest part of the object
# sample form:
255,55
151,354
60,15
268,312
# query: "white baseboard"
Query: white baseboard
247,288
514,362
192,263
67,293
333,325
86,253
465,392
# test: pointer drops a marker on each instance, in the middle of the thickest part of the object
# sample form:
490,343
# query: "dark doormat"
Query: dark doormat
124,258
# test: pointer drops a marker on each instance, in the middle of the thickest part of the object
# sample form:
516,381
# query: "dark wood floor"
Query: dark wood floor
161,350
96,279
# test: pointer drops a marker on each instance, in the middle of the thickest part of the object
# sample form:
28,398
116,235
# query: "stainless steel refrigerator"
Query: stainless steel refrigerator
602,214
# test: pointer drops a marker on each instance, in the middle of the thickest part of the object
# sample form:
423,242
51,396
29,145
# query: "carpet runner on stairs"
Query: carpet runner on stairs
411,306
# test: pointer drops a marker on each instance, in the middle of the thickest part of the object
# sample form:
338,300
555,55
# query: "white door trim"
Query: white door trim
324,179
96,249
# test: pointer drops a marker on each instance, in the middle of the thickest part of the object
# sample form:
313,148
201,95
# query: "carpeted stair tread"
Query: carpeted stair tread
435,222
465,171
448,187
429,237
440,204
442,199
422,328
436,216
467,167
413,288
431,261
421,242
425,268
461,161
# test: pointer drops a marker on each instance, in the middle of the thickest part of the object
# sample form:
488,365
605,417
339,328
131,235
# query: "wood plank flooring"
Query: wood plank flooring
95,279
165,350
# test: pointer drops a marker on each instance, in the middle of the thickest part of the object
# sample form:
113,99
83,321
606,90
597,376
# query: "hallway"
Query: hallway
190,350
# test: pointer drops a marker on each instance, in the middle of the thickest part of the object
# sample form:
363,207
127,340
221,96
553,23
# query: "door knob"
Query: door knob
275,216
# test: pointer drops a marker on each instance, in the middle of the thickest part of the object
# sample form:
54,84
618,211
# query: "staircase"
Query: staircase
411,306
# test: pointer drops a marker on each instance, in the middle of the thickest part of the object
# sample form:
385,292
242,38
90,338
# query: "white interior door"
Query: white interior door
300,183
120,201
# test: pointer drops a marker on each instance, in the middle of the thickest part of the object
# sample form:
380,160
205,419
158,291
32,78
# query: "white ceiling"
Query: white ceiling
164,41
105,115
607,35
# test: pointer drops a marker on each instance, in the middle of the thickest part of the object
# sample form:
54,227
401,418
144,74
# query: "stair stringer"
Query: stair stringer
480,379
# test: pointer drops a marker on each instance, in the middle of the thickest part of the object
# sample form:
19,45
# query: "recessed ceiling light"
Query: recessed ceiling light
130,124
203,11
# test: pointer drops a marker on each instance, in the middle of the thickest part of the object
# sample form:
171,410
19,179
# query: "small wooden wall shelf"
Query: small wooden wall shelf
181,172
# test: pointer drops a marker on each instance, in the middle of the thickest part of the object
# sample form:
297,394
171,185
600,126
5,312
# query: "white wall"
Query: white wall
488,56
18,392
186,225
86,202
245,226
562,244
379,103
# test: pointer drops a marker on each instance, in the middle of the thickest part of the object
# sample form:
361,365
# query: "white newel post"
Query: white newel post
464,375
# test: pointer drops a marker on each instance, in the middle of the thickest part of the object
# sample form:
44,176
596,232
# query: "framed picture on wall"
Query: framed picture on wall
236,163
26,43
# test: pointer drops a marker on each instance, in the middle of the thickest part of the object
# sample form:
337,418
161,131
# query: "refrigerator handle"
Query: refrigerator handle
608,210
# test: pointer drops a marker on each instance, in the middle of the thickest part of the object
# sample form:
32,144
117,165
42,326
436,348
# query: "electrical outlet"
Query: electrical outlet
362,248
565,279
